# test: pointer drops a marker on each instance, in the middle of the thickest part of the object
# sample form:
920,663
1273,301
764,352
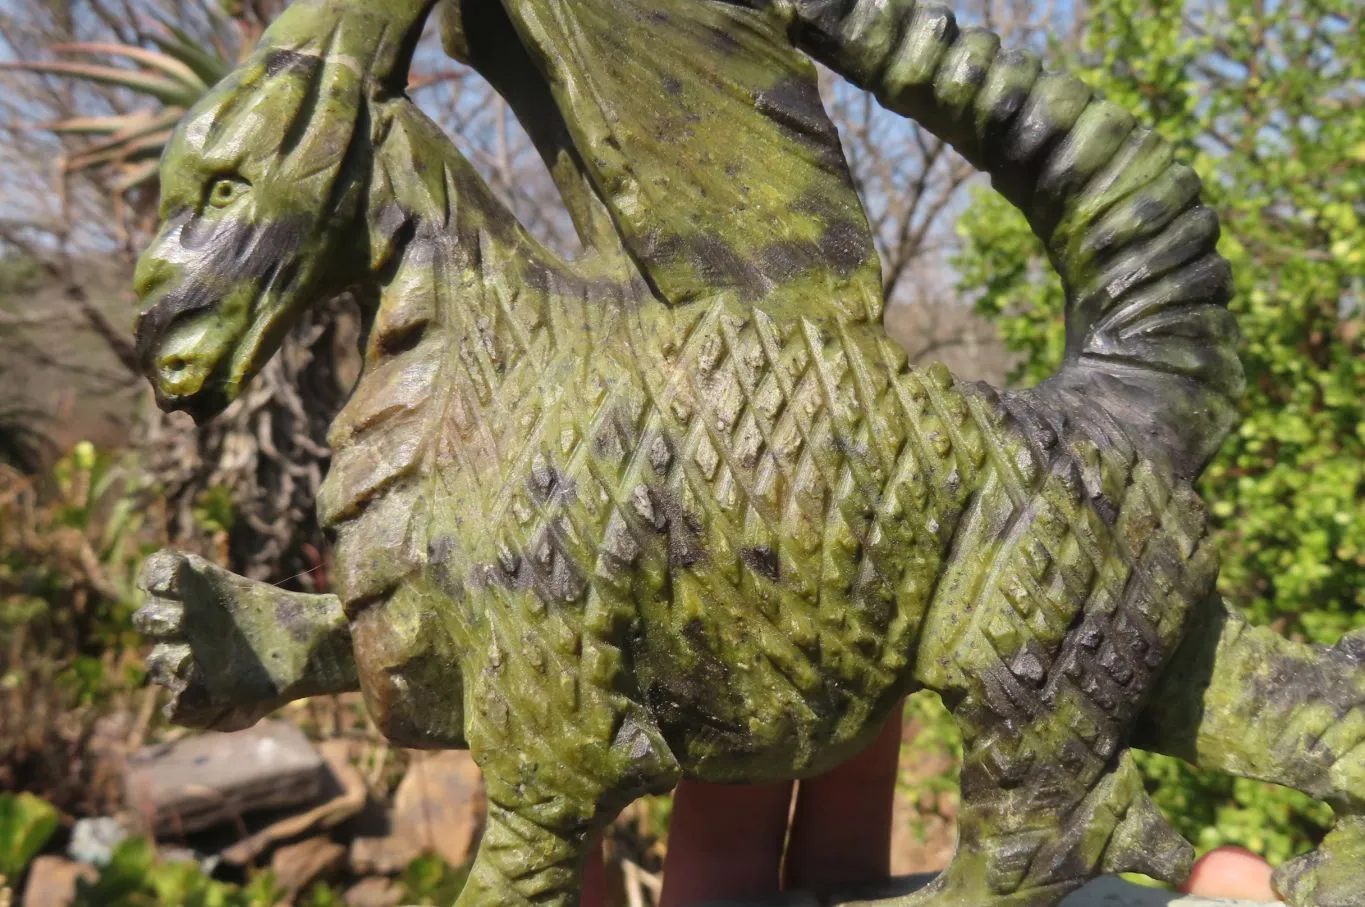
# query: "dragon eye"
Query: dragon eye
226,190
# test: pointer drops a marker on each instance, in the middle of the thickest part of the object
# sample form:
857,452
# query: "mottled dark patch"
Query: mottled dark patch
441,549
723,41
550,278
692,699
1352,648
1006,106
821,206
1029,667
1105,508
442,553
1090,636
496,219
233,249
974,75
282,60
673,85
613,441
846,245
786,259
721,265
1117,666
686,547
794,105
762,559
1099,692
298,619
660,454
548,485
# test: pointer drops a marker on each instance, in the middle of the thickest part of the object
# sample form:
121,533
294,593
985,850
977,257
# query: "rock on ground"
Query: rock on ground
439,805
297,865
373,892
52,881
197,782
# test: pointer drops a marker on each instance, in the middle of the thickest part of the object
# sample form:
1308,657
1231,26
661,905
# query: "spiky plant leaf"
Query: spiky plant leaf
168,91
137,174
128,145
164,63
207,64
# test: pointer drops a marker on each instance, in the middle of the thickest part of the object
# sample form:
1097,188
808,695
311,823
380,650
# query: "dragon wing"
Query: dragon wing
702,129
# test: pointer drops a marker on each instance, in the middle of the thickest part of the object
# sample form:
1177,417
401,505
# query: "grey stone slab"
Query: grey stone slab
201,781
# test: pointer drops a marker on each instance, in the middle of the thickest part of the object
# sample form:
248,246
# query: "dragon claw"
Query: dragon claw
160,620
176,584
230,650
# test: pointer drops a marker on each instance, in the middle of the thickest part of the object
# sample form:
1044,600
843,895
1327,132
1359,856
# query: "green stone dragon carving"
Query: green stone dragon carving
679,507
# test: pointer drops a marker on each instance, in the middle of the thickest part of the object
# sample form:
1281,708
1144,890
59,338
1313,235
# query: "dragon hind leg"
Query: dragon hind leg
1050,826
1247,701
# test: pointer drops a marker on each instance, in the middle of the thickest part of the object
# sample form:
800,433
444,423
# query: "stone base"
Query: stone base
1106,892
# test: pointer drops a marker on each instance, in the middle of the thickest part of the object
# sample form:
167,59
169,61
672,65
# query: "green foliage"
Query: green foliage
70,546
1213,809
134,877
214,510
1269,103
938,735
26,823
937,740
69,556
430,880
322,895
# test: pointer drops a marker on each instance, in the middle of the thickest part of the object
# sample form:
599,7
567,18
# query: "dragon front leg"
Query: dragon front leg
231,650
561,750
1245,700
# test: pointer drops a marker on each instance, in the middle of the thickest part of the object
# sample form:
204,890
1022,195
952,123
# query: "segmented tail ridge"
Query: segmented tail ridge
1149,337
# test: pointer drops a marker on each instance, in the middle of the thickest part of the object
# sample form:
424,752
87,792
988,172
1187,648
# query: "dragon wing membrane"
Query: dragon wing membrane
738,182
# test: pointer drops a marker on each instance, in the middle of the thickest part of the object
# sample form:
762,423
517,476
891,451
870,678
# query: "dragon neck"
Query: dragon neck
436,229
437,233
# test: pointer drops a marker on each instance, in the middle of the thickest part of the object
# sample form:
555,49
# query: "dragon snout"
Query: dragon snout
180,350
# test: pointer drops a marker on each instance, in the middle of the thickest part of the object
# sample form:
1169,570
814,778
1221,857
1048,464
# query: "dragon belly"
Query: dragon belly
742,511
754,534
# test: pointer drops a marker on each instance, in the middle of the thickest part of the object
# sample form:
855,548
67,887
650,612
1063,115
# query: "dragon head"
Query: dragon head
262,198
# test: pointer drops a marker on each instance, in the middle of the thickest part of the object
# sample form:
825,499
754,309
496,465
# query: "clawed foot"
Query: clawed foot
231,650
1331,876
184,590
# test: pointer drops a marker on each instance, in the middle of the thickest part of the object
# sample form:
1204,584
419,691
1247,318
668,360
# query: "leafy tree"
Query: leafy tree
1268,103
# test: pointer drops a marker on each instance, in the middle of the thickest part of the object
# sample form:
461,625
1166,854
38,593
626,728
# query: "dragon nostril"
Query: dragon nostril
174,366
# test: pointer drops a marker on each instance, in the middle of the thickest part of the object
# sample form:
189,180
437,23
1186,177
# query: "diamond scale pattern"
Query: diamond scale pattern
749,503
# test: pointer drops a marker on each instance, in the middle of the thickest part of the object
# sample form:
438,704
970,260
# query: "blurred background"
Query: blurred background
1265,97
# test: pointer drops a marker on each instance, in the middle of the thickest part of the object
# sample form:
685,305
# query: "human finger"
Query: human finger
841,830
594,878
724,841
1231,872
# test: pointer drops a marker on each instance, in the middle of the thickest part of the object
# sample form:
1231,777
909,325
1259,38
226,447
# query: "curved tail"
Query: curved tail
1149,337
